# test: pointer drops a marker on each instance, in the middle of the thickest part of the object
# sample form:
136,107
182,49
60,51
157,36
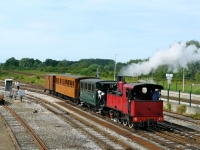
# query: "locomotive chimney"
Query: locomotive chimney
120,83
119,78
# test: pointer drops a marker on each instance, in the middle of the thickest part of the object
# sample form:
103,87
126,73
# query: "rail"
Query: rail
37,140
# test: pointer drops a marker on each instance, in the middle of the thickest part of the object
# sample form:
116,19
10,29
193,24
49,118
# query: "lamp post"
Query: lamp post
169,78
183,79
115,66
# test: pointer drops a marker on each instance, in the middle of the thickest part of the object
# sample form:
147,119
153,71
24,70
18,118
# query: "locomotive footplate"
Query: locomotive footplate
150,121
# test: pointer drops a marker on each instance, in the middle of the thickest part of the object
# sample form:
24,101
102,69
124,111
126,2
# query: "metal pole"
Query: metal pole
163,83
168,95
115,66
190,98
183,80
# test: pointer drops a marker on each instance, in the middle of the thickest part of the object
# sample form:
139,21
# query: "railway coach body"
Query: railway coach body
50,80
69,85
88,93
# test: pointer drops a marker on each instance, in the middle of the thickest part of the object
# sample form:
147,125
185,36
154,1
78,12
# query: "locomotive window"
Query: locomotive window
144,90
85,87
82,86
89,87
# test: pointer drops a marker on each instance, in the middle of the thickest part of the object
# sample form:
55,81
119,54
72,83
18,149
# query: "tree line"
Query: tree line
105,67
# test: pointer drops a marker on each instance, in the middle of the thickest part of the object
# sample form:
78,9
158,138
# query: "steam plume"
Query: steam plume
178,55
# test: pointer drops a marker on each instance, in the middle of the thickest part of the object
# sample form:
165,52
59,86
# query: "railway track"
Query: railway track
164,137
161,135
25,137
99,137
51,129
110,131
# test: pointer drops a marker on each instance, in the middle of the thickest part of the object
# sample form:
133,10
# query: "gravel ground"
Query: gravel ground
55,133
183,123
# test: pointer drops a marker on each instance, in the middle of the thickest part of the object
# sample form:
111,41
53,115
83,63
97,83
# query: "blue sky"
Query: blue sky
83,29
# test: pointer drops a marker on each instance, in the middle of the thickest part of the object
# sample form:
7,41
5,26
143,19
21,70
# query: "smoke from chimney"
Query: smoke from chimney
178,55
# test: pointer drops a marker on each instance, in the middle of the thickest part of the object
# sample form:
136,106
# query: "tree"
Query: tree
26,63
12,62
193,42
51,62
197,76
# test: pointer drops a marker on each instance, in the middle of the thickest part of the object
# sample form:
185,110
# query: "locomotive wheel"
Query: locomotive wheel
130,124
125,122
119,120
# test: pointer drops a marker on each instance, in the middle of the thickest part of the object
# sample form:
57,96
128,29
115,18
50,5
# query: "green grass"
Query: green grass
176,86
196,116
35,79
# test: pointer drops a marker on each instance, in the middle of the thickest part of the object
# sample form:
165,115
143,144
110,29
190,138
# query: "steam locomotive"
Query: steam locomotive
127,103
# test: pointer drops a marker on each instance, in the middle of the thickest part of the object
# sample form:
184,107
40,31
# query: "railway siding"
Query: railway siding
133,140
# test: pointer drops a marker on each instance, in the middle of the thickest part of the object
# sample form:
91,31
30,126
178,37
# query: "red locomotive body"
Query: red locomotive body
134,105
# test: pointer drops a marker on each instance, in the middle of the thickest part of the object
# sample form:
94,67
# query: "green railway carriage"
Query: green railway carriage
88,93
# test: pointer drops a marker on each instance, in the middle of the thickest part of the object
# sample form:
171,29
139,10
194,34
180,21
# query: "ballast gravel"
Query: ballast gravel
52,130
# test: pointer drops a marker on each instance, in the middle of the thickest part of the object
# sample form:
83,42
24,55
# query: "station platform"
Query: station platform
190,109
6,142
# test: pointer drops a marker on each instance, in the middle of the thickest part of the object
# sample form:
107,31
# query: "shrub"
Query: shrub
196,116
168,106
181,109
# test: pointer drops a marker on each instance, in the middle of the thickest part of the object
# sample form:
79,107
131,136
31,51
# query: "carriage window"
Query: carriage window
70,83
65,82
89,87
82,86
73,84
93,88
85,87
